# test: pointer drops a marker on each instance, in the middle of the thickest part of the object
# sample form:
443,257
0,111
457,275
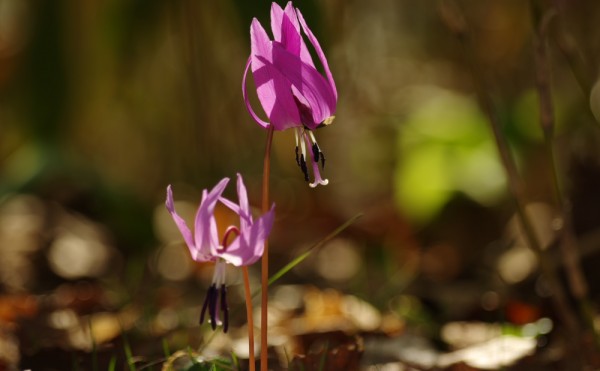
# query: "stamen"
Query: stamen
303,159
304,168
316,151
296,135
212,297
216,298
205,305
303,145
224,308
315,161
307,138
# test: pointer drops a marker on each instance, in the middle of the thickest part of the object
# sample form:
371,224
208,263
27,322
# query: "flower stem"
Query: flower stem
265,258
250,319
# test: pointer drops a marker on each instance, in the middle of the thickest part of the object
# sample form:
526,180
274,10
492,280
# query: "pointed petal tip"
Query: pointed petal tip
169,203
275,6
315,43
256,26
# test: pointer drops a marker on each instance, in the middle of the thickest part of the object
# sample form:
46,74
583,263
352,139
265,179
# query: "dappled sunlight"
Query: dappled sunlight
458,226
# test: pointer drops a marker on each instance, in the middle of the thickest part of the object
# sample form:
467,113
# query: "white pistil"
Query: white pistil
315,163
219,274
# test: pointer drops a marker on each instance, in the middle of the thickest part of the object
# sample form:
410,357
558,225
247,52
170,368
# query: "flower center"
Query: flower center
216,299
305,138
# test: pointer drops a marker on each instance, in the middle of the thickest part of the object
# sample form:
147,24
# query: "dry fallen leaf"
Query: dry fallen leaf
322,356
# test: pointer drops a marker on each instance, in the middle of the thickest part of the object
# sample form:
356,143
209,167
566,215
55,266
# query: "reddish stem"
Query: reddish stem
265,258
250,319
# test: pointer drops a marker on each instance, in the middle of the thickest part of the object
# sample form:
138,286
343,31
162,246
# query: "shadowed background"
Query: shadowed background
104,103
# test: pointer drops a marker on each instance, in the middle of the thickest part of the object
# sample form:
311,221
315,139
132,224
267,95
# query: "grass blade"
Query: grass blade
304,255
128,353
113,363
324,357
166,349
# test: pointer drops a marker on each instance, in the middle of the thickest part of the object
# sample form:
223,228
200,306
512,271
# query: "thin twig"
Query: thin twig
567,240
453,17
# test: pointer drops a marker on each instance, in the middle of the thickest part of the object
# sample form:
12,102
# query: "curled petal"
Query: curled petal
319,50
183,228
260,121
245,215
242,208
205,227
249,246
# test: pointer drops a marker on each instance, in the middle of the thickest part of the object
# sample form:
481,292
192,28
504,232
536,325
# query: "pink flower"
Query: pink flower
204,244
292,92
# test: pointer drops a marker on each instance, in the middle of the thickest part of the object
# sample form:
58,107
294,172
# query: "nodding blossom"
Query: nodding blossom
292,92
241,244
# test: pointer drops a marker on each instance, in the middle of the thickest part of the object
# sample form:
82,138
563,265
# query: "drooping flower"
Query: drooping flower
205,246
292,92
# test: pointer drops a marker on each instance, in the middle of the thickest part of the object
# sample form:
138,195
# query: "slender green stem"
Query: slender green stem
250,319
265,258
577,282
289,266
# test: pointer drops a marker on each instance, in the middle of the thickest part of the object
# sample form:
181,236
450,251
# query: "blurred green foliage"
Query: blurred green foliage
445,147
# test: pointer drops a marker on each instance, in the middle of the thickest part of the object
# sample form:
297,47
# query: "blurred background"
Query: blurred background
105,103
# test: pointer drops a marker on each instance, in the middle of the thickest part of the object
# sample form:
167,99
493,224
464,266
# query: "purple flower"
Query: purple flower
246,247
291,91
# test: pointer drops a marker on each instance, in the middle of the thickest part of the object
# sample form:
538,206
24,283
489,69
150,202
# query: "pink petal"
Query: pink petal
273,89
260,121
245,215
249,246
308,83
243,209
205,228
276,21
183,228
286,30
317,46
